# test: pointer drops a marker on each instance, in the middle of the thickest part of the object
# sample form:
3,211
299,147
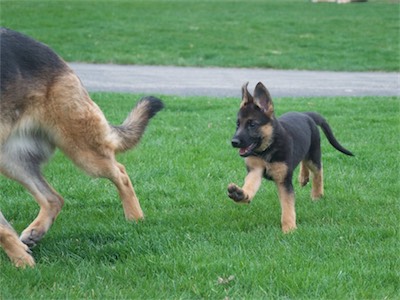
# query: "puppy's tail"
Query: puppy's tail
320,121
132,129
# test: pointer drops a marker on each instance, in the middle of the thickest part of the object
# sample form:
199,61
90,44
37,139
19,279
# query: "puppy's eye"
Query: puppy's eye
251,124
237,123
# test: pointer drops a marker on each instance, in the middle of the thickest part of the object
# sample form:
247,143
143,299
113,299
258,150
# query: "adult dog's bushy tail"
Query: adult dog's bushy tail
135,124
320,121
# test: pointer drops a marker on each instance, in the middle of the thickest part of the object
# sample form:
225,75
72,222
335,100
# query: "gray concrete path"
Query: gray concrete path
226,82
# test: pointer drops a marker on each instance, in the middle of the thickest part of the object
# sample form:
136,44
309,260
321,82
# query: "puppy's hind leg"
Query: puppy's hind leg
304,175
287,199
317,190
314,164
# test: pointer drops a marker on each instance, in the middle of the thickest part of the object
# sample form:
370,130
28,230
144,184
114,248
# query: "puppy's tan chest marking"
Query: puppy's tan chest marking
275,170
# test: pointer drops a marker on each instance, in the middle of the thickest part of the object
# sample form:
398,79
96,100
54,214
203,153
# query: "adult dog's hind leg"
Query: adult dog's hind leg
87,138
50,205
22,163
49,201
130,202
103,164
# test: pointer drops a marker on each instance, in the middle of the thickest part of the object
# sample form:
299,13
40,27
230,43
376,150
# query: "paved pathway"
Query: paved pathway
226,82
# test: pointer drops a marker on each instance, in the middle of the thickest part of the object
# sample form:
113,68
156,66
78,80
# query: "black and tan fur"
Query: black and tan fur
273,147
43,105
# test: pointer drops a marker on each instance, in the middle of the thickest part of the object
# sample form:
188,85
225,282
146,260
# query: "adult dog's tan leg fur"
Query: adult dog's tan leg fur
128,196
86,137
50,203
15,249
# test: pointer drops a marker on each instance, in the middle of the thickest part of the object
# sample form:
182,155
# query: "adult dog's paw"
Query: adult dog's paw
236,193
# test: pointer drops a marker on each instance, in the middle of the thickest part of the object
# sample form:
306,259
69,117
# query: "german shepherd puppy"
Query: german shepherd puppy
273,147
43,105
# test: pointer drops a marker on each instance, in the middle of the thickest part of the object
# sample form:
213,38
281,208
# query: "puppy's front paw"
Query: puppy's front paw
236,193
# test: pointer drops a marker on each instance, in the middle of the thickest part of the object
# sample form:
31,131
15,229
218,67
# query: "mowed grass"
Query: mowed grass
195,242
280,34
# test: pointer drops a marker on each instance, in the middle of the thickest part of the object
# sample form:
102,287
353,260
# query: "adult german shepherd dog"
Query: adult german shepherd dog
273,147
44,105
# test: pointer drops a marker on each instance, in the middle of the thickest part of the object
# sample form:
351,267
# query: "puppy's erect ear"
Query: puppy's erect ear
263,99
246,97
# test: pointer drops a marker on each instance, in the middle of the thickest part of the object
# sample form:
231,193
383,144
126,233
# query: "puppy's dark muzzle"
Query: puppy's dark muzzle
235,142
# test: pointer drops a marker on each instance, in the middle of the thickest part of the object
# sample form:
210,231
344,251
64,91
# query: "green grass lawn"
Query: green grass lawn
280,34
195,242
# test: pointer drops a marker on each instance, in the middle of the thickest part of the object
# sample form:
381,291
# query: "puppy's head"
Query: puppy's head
254,128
